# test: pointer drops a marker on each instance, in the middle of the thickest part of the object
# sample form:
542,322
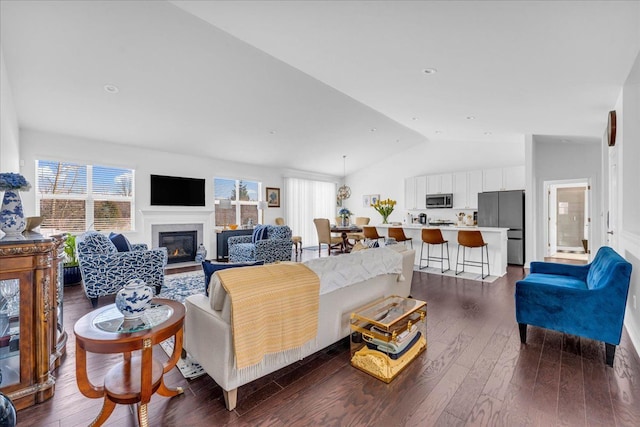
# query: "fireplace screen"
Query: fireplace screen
181,245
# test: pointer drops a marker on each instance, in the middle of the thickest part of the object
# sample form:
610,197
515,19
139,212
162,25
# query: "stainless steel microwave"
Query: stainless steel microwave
439,201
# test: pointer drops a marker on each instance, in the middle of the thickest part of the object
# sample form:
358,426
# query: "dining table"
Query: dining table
343,230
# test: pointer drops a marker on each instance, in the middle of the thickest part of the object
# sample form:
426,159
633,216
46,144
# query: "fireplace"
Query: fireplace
181,245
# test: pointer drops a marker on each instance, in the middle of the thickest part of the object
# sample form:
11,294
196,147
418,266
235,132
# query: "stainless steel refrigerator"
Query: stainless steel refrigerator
505,209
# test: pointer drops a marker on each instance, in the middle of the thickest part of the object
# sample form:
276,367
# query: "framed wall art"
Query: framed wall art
366,201
273,197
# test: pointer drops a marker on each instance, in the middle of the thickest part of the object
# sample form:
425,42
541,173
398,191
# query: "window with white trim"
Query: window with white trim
74,198
242,194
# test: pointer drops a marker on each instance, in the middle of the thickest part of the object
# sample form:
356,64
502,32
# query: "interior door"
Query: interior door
552,220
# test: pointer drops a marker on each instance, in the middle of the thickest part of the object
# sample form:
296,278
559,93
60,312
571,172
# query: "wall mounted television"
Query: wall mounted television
177,191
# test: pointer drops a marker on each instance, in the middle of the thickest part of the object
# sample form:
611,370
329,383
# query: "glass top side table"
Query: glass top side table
136,378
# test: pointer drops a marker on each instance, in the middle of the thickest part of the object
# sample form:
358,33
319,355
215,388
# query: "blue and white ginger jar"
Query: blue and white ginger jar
12,220
134,298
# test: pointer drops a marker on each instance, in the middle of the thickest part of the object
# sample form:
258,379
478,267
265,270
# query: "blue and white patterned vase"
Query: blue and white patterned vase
12,220
201,253
134,298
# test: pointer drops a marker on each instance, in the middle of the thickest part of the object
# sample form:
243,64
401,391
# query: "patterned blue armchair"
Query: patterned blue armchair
275,247
105,270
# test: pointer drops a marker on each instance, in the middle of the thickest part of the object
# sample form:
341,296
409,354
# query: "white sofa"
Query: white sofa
208,337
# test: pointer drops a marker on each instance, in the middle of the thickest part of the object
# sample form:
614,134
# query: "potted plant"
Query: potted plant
71,271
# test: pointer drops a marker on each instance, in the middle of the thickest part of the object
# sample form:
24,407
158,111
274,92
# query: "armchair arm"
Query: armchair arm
577,271
272,250
238,239
139,247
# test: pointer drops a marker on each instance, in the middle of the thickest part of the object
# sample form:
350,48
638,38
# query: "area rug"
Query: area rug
188,367
465,275
178,287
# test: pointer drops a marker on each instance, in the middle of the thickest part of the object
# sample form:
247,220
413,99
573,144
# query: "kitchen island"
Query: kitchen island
495,237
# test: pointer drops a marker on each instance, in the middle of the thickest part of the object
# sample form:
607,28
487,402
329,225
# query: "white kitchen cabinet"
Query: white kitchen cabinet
440,184
492,179
513,178
415,188
410,192
501,179
466,186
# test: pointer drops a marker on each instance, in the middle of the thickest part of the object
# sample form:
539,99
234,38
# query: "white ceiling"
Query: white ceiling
299,84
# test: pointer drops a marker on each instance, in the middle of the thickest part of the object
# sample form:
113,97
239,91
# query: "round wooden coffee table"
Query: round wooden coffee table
136,378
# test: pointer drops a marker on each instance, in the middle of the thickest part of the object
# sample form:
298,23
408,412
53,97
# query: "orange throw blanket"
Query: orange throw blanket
274,308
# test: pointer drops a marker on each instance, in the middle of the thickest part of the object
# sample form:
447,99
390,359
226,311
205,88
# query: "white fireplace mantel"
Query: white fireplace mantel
173,216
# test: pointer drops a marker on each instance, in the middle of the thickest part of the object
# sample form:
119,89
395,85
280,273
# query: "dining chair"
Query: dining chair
323,227
359,221
297,240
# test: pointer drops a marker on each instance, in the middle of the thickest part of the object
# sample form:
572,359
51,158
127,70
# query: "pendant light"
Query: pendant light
344,192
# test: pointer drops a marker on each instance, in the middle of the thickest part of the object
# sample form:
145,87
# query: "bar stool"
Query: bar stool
433,236
398,234
472,239
371,233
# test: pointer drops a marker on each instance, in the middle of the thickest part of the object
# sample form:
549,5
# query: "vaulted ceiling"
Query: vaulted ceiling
299,84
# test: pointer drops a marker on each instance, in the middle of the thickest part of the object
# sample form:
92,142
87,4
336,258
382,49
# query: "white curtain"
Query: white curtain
306,200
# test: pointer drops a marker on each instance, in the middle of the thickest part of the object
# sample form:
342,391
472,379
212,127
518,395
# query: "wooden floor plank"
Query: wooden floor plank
474,372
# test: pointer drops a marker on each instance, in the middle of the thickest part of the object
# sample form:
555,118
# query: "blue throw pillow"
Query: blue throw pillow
120,241
209,268
259,233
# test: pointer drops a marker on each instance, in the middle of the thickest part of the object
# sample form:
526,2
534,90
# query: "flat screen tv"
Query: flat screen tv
177,191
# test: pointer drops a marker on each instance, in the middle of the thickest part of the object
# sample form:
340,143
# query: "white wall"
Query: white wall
628,175
47,146
386,177
9,141
556,161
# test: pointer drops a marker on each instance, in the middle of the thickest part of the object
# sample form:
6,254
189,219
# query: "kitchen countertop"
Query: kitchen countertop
445,227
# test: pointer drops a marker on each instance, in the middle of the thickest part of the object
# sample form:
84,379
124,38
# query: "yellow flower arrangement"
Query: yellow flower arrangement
384,208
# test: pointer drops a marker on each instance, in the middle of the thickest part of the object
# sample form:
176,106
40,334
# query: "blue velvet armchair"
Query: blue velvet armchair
276,247
105,270
584,300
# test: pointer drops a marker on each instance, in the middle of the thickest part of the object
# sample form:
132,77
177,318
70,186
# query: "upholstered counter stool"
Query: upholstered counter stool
433,236
472,239
297,240
398,234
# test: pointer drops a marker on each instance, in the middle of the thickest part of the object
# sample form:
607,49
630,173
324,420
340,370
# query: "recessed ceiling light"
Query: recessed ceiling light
429,71
487,133
111,88
438,132
471,117
414,118
272,132
373,129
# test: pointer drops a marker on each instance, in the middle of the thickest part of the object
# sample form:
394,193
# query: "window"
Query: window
75,198
242,194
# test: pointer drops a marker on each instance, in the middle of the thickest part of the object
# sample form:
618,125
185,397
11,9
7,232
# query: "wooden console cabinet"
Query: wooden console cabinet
32,336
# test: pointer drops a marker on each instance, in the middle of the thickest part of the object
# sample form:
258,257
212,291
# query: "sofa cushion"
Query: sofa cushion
259,233
120,241
210,267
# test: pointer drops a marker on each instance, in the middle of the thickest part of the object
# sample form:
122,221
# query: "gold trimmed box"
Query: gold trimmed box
387,334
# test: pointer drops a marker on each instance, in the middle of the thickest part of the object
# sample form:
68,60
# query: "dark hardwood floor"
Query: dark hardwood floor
474,372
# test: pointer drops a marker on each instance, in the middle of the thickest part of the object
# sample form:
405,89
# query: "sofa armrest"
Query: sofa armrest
577,271
139,247
238,239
